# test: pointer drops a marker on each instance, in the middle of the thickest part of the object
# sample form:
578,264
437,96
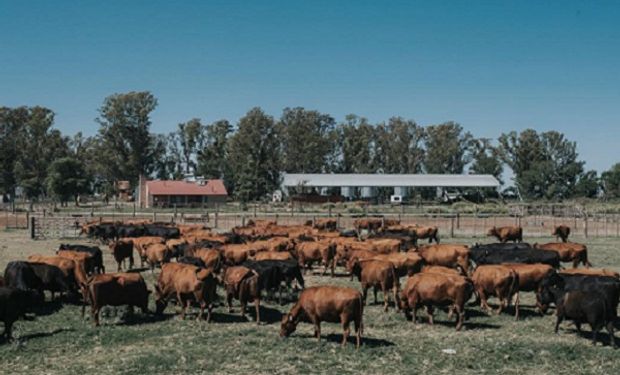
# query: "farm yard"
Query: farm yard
60,341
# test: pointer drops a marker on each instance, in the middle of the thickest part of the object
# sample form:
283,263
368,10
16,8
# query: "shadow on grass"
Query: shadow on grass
35,335
268,315
602,336
366,341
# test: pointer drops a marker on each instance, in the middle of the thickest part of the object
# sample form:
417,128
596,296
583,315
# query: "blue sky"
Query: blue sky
492,66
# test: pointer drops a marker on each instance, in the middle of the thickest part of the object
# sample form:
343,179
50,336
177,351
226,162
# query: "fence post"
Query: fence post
134,209
175,212
27,219
585,224
338,221
458,220
452,226
243,220
154,216
217,215
329,210
32,226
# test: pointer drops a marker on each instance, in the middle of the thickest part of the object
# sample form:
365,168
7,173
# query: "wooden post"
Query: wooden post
329,210
243,220
175,212
338,221
32,227
134,208
452,219
154,216
277,217
458,220
256,204
585,224
217,215
27,219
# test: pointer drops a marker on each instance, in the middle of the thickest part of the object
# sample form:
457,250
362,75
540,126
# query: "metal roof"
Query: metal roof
388,180
170,187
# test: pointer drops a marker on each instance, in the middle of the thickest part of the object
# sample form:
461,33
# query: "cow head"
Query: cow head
492,232
288,325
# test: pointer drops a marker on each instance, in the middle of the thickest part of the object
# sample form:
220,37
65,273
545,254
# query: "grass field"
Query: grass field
61,342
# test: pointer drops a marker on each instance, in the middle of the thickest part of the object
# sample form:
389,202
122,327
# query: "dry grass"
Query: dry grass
62,342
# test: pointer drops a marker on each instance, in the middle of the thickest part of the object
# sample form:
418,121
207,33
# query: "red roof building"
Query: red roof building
166,193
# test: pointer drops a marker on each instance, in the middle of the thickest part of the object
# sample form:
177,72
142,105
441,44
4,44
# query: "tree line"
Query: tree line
250,154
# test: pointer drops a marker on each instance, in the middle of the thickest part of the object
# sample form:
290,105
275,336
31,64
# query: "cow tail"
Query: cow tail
361,303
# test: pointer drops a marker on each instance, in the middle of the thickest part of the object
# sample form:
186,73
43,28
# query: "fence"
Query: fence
450,225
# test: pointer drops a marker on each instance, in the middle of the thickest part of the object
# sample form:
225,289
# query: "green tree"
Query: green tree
398,146
447,148
254,156
213,157
306,140
486,158
190,136
11,124
66,179
588,185
611,181
127,148
357,145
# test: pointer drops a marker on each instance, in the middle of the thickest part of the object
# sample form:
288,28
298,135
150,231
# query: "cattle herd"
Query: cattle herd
263,260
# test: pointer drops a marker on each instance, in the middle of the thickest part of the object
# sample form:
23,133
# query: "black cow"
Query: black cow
94,251
161,231
512,253
104,232
193,261
20,275
272,273
608,287
51,278
15,303
351,233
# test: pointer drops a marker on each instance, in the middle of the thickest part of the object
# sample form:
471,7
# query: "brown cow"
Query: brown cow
141,243
273,255
377,274
236,254
186,282
426,232
73,271
86,259
326,224
121,250
212,258
327,303
156,255
531,277
447,255
242,283
406,264
370,224
592,272
317,251
568,252
115,289
499,281
505,234
441,270
384,245
433,289
561,232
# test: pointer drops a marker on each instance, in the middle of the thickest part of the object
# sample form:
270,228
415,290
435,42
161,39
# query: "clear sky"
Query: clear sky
492,66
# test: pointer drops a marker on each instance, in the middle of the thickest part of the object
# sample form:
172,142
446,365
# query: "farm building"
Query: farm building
165,193
365,186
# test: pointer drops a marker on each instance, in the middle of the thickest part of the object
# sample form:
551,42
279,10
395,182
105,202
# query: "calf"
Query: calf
568,252
14,303
318,251
326,304
121,250
94,251
243,284
377,274
499,281
186,282
561,232
432,289
505,234
115,289
585,307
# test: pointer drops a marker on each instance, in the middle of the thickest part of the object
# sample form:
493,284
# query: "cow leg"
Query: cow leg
430,310
576,262
131,261
460,316
257,307
95,313
364,292
578,326
610,330
559,320
595,329
395,293
182,304
118,268
517,306
358,332
229,298
345,332
374,290
8,330
317,330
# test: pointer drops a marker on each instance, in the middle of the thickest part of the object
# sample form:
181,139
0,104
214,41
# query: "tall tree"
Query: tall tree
213,157
398,146
447,148
306,140
588,185
66,179
254,156
486,158
190,136
357,145
611,181
38,145
11,124
128,148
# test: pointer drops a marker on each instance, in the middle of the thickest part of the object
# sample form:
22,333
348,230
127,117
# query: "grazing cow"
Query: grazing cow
327,304
243,284
156,255
447,255
115,289
15,303
512,253
531,277
561,232
20,275
186,282
568,252
51,278
505,234
94,251
426,232
318,251
433,289
499,281
121,250
377,274
584,307
591,272
406,264
607,286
